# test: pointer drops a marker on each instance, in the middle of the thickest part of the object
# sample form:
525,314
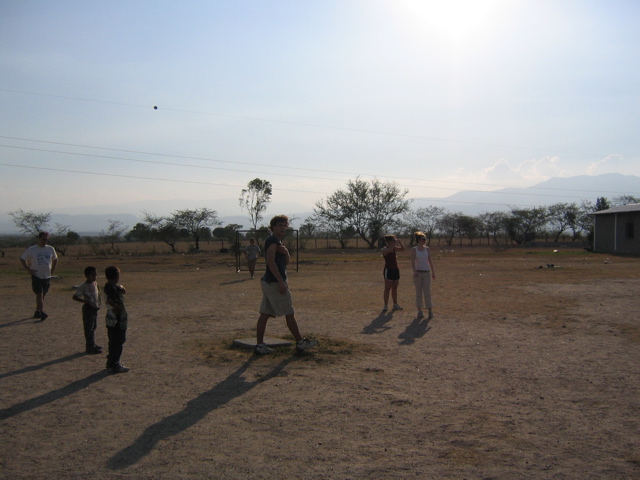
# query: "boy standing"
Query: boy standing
41,261
88,293
276,296
116,319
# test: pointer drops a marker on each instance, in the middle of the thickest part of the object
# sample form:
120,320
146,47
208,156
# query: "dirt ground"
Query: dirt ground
524,372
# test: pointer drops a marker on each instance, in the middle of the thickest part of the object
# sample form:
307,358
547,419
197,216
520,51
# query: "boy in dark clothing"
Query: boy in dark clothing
116,319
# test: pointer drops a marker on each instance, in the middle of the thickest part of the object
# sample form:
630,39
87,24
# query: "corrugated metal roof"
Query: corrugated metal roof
632,207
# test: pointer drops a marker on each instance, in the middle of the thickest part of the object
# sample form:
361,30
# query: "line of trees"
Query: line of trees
365,210
370,209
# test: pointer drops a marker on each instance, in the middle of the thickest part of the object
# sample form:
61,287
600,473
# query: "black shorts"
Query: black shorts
39,285
392,274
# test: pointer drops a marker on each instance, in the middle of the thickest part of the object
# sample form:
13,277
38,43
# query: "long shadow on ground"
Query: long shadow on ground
378,324
22,321
38,401
416,329
234,386
43,365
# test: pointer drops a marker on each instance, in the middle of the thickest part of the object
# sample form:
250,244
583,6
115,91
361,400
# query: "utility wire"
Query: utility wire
303,124
241,186
252,164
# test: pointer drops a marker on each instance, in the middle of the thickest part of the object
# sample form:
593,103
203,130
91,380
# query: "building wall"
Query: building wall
612,237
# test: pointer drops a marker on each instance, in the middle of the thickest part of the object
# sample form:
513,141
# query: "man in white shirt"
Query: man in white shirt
41,261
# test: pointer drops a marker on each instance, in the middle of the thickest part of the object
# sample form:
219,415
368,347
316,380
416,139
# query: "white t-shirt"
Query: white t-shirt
40,259
91,292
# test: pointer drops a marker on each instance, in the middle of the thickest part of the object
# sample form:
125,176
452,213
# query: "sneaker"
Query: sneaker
118,368
43,316
94,350
305,343
385,308
262,349
420,314
36,314
397,307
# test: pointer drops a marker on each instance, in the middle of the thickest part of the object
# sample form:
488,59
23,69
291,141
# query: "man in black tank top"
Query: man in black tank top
276,296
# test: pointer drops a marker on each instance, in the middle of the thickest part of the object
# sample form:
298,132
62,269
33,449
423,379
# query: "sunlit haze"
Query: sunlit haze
435,96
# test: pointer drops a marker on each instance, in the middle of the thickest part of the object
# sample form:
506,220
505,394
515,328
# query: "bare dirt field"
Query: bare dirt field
524,372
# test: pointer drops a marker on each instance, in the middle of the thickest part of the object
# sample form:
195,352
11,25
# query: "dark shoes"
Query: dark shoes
36,314
94,350
118,368
43,316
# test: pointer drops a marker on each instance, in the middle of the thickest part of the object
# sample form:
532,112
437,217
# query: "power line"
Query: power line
211,183
303,124
242,186
139,177
254,164
156,162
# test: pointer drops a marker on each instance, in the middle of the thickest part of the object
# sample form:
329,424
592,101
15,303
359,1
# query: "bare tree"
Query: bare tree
194,221
522,224
113,234
428,218
163,228
255,199
30,223
368,207
64,238
449,226
624,200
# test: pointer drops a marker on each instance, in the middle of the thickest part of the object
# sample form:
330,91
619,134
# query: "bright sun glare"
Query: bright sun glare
455,22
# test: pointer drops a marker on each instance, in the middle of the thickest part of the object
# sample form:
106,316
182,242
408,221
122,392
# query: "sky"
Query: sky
435,96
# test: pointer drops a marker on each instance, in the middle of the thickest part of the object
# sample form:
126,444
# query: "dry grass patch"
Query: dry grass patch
224,350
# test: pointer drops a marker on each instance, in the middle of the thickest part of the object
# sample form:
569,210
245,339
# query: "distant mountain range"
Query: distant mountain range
470,202
555,190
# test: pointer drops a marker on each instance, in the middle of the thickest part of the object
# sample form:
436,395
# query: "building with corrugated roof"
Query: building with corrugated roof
617,230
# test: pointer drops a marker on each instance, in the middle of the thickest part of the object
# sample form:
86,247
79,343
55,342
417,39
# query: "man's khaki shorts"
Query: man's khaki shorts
274,303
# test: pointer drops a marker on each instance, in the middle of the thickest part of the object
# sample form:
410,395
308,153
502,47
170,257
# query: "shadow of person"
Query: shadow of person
22,321
36,402
231,282
234,386
43,365
414,330
378,324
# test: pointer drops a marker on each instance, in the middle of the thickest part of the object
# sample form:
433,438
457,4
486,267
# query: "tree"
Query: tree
194,220
141,232
522,223
428,218
602,204
449,226
64,238
585,221
423,219
307,232
624,200
114,234
561,216
493,224
228,232
468,226
255,199
163,229
368,207
30,223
